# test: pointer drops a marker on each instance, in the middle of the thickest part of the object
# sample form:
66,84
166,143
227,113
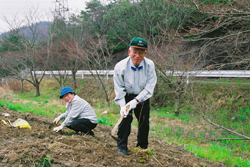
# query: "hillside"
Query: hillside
42,27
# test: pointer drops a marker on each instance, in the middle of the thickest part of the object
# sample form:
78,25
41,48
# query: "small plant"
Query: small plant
54,144
46,161
144,154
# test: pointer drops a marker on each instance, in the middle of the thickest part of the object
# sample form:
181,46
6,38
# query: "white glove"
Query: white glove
123,111
57,129
132,104
56,120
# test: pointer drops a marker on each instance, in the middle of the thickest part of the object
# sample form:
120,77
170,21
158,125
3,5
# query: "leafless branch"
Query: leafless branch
229,130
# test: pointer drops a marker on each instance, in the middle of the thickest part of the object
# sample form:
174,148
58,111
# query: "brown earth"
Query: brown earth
32,147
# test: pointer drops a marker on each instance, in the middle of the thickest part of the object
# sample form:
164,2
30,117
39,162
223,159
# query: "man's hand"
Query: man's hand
132,104
57,129
56,120
123,111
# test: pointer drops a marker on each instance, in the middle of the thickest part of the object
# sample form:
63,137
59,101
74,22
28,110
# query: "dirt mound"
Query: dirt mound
41,146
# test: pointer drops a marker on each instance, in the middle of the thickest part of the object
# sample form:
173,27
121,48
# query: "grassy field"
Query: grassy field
224,104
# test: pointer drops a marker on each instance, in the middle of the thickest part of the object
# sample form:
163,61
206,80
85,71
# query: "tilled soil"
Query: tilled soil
41,146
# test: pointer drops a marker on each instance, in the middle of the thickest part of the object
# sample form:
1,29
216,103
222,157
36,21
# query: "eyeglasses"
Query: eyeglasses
139,52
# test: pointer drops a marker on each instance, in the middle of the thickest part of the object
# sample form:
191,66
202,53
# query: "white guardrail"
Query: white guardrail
79,72
215,73
211,73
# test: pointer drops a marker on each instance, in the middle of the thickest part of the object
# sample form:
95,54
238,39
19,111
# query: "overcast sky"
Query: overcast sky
17,8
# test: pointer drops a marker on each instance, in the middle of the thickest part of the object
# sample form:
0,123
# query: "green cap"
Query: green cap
138,42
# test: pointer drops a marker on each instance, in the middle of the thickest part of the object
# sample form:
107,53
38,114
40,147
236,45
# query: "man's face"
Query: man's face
136,55
68,97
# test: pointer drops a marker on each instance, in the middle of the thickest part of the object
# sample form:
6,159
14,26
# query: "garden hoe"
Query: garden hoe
116,126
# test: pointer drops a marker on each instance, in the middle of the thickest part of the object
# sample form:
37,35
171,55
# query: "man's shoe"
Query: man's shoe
92,135
122,150
81,134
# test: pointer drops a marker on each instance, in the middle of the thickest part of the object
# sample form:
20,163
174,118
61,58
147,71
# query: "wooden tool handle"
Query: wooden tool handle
119,121
116,125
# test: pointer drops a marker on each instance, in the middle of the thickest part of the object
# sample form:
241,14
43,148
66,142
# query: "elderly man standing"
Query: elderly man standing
134,82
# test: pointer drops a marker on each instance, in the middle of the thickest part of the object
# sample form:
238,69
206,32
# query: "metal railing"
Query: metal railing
107,73
211,73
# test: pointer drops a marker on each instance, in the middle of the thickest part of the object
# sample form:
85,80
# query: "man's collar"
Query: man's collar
134,69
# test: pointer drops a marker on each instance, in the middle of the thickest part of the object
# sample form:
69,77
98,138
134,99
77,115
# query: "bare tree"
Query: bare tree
176,67
11,67
58,64
211,37
220,35
220,31
61,32
33,55
96,55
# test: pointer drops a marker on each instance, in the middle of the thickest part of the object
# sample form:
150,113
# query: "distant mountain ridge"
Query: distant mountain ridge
41,30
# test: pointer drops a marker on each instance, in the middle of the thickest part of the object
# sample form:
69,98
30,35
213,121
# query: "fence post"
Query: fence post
82,75
187,78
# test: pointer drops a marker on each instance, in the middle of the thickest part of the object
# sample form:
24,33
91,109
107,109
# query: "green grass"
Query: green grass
105,120
217,153
39,109
169,113
29,96
224,150
235,80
